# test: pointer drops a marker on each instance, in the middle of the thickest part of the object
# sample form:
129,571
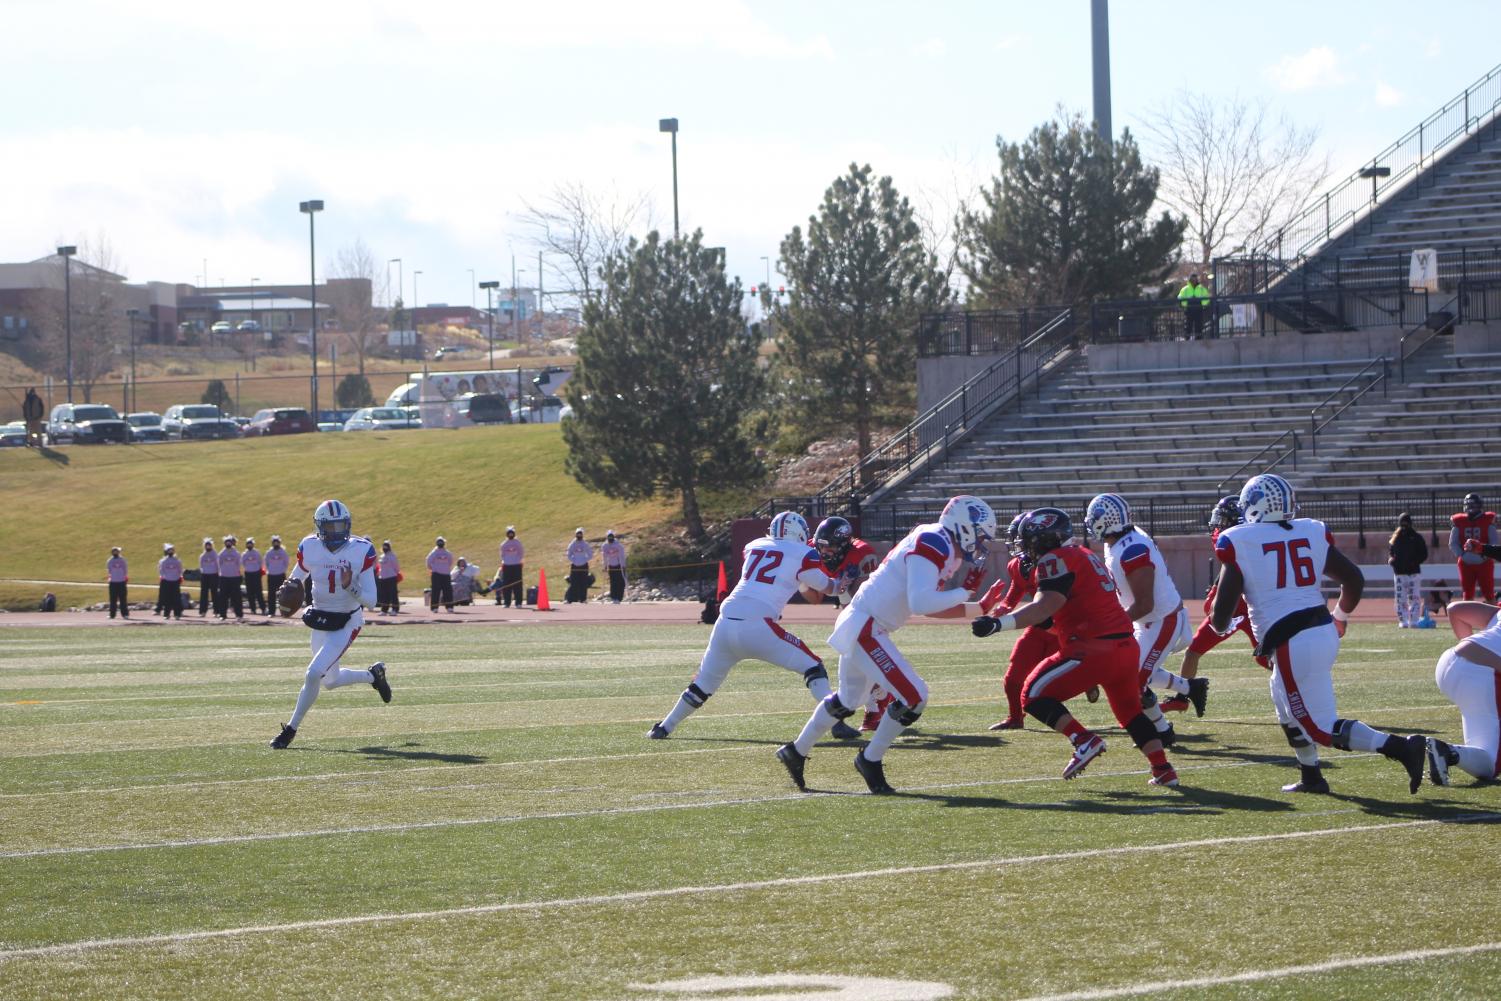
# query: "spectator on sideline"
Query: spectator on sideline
119,576
509,580
276,570
579,555
612,553
465,576
387,579
1194,298
251,565
440,566
1475,569
1406,552
169,583
229,581
208,578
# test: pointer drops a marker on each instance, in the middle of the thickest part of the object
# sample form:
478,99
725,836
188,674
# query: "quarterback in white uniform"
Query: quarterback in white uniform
338,572
912,580
775,567
1152,603
1277,559
1467,675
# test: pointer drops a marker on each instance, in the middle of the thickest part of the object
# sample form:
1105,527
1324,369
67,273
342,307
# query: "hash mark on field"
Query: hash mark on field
1252,976
634,896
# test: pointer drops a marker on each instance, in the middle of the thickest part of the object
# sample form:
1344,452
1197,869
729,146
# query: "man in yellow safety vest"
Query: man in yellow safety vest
1193,298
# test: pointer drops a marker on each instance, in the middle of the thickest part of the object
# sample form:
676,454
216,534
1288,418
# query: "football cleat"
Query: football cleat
793,760
658,732
378,681
871,721
1163,775
1174,704
1089,749
1093,693
283,739
874,774
1440,757
1009,723
843,731
1313,781
1414,760
1198,694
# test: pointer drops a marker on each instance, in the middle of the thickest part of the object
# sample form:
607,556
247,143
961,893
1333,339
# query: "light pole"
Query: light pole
415,301
313,207
66,253
514,336
135,400
490,288
671,125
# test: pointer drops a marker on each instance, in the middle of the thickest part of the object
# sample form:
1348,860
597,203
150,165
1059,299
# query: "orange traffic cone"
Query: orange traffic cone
542,603
723,587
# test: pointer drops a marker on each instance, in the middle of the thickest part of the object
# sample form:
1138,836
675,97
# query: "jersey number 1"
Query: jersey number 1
1295,553
763,571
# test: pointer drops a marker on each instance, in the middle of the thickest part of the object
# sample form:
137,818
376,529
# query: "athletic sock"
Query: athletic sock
305,700
1158,758
343,676
819,724
1364,738
1476,761
1308,756
880,741
1076,732
820,688
680,712
1158,678
1158,720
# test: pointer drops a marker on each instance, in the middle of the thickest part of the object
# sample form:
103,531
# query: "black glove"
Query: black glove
984,625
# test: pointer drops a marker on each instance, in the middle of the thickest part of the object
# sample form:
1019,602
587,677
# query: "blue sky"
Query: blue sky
182,130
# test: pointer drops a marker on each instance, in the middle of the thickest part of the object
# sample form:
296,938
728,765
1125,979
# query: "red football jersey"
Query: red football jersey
1092,609
859,561
1018,587
1474,528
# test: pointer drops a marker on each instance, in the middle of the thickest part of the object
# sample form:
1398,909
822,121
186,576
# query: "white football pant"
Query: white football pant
1476,690
324,670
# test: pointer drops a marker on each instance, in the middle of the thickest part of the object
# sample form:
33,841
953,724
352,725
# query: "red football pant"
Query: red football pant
1033,646
1072,671
1482,574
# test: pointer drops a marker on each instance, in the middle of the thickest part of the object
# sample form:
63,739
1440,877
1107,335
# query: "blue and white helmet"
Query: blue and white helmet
333,522
1107,514
789,525
1268,497
971,523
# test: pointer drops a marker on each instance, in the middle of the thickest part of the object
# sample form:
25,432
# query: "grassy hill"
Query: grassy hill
64,509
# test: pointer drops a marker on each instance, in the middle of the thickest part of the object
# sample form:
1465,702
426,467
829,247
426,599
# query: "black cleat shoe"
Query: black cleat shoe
874,774
1198,694
793,760
1312,781
378,681
1440,757
658,732
843,731
283,739
1414,760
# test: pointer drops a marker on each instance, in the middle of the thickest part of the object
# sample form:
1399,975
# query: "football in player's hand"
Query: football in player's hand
289,597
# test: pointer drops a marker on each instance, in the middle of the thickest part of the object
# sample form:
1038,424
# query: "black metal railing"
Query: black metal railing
980,331
1437,322
1256,461
1376,379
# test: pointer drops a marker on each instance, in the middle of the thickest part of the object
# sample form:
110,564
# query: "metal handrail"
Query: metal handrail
1293,452
1403,354
1313,415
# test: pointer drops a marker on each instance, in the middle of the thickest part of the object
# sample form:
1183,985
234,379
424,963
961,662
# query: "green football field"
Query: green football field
502,829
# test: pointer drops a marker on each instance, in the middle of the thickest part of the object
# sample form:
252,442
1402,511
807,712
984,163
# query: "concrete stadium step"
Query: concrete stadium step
1326,367
1209,383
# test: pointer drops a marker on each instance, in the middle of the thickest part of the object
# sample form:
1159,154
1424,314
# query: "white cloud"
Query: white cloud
1319,67
932,48
1388,96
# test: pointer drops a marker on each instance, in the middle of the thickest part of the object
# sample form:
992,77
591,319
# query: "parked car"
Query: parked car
85,423
281,420
451,351
547,410
146,426
333,420
222,327
13,434
379,419
483,408
198,422
249,327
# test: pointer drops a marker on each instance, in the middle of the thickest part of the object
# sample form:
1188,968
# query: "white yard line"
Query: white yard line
635,896
1253,976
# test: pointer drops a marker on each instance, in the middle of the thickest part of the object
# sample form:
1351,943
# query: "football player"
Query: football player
851,561
1467,675
774,567
1036,643
1476,570
337,573
1096,645
912,580
1152,603
1276,560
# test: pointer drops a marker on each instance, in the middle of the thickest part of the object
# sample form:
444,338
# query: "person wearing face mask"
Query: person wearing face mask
275,560
387,577
208,578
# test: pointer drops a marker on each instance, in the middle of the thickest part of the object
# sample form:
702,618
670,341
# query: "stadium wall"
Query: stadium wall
1288,346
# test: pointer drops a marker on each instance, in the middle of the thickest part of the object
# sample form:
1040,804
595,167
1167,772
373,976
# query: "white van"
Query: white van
404,396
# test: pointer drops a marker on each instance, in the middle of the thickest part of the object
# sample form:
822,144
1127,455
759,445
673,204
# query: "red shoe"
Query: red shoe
1009,723
1089,749
871,721
1174,704
1163,775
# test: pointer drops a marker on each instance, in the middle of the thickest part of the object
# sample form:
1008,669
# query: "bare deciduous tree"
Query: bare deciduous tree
356,285
97,311
1231,169
584,227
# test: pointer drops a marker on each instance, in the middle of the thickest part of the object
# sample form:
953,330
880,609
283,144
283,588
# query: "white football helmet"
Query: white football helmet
1107,514
333,522
971,524
789,525
1268,497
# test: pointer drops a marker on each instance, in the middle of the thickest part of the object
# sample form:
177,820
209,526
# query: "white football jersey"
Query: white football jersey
1132,551
324,572
770,575
884,595
1282,567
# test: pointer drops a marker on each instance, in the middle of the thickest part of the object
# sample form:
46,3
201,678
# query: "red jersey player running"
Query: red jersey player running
1476,570
1036,643
1095,641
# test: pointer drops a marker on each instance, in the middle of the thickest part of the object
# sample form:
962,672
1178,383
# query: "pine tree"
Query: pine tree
665,379
1067,221
858,280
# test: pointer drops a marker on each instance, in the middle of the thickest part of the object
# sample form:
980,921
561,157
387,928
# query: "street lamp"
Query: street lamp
399,280
671,125
490,288
66,253
313,207
135,401
1375,174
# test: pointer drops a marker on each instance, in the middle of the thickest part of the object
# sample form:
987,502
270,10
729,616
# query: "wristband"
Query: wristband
1340,615
1006,622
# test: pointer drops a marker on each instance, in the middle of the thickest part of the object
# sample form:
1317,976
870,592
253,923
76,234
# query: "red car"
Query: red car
281,420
